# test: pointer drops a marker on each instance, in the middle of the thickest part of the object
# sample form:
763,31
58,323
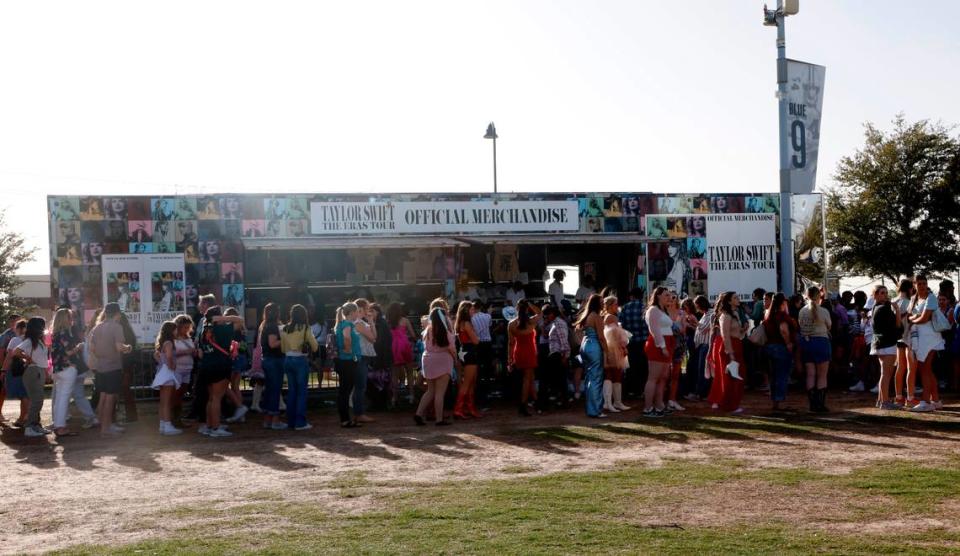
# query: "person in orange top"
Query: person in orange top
522,349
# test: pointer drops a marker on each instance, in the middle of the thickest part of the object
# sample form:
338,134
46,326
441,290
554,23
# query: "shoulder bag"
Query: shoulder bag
758,336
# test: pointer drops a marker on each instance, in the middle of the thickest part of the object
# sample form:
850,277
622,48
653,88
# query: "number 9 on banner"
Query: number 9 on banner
798,137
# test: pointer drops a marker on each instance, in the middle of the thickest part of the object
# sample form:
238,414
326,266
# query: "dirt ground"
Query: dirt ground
88,490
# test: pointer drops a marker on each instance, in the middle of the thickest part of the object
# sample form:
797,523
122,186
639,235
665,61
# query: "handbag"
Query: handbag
305,346
733,369
939,321
17,367
758,336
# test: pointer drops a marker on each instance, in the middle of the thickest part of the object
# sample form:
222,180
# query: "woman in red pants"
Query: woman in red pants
726,393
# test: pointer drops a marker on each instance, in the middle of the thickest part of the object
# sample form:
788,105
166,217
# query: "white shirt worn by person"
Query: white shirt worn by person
37,354
556,293
583,293
481,325
660,325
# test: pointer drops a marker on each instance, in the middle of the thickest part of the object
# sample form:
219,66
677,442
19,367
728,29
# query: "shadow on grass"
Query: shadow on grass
143,449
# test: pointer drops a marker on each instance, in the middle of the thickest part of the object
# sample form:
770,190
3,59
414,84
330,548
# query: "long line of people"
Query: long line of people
661,350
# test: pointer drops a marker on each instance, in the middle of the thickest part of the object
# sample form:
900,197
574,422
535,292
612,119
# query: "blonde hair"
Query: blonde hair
61,320
347,308
609,301
441,303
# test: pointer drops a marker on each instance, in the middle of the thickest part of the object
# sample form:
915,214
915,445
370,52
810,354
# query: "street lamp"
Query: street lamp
492,134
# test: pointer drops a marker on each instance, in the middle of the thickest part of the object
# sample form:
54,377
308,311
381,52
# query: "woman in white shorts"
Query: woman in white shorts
885,321
924,342
166,379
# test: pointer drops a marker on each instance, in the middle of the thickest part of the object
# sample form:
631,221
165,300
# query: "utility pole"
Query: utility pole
778,17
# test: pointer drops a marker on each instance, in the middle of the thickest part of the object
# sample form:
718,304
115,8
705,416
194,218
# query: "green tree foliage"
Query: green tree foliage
13,253
895,208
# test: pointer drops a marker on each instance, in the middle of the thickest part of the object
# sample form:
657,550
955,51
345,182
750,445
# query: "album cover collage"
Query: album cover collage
209,231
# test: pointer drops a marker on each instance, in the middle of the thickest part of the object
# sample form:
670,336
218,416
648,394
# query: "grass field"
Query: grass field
855,482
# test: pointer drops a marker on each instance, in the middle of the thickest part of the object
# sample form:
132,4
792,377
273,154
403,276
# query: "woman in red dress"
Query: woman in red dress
726,392
522,349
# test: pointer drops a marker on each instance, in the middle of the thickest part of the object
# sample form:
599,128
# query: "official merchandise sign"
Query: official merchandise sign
804,108
448,217
149,289
708,254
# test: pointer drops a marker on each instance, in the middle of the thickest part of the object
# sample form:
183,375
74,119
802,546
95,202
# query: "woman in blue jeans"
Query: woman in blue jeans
591,352
297,342
268,338
780,330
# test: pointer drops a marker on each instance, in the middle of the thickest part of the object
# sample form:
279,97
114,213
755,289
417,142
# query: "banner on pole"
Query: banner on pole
804,108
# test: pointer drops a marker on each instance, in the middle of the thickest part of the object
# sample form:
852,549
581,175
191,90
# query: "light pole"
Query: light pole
777,17
492,134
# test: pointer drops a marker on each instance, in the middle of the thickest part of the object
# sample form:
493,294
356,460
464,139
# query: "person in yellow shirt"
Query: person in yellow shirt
297,342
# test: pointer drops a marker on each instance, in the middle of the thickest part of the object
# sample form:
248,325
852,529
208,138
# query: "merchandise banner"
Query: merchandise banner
804,107
446,217
708,254
149,289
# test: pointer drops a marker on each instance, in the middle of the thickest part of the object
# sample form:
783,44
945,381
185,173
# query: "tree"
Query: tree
895,208
13,253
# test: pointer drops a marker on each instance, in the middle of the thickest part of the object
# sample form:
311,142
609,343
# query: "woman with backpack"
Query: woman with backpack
216,365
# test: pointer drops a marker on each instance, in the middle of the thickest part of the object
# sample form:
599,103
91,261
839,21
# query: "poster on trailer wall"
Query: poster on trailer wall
149,288
708,254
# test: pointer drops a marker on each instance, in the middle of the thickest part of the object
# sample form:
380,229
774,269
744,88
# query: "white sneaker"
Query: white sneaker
219,432
90,423
875,389
858,387
923,407
203,429
34,431
675,406
306,427
620,406
279,426
167,429
238,415
117,429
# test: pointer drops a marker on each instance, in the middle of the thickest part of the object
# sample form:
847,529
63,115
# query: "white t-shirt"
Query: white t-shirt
583,293
556,292
38,354
928,304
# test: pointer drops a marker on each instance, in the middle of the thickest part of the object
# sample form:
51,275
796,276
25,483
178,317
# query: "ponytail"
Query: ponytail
813,294
347,308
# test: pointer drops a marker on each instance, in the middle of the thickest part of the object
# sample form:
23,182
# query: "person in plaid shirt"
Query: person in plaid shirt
554,384
631,319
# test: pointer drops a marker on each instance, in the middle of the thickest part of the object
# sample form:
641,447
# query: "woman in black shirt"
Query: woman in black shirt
886,331
269,339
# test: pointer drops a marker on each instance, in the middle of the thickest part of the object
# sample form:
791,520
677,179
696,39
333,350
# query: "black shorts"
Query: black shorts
108,382
468,354
215,374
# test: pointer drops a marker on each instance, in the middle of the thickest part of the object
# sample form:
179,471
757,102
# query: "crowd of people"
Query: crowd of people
547,355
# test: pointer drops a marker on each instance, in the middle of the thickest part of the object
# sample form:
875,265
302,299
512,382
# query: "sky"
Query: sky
384,96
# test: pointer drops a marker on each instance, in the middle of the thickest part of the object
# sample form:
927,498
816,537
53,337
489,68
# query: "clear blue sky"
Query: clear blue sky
130,97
